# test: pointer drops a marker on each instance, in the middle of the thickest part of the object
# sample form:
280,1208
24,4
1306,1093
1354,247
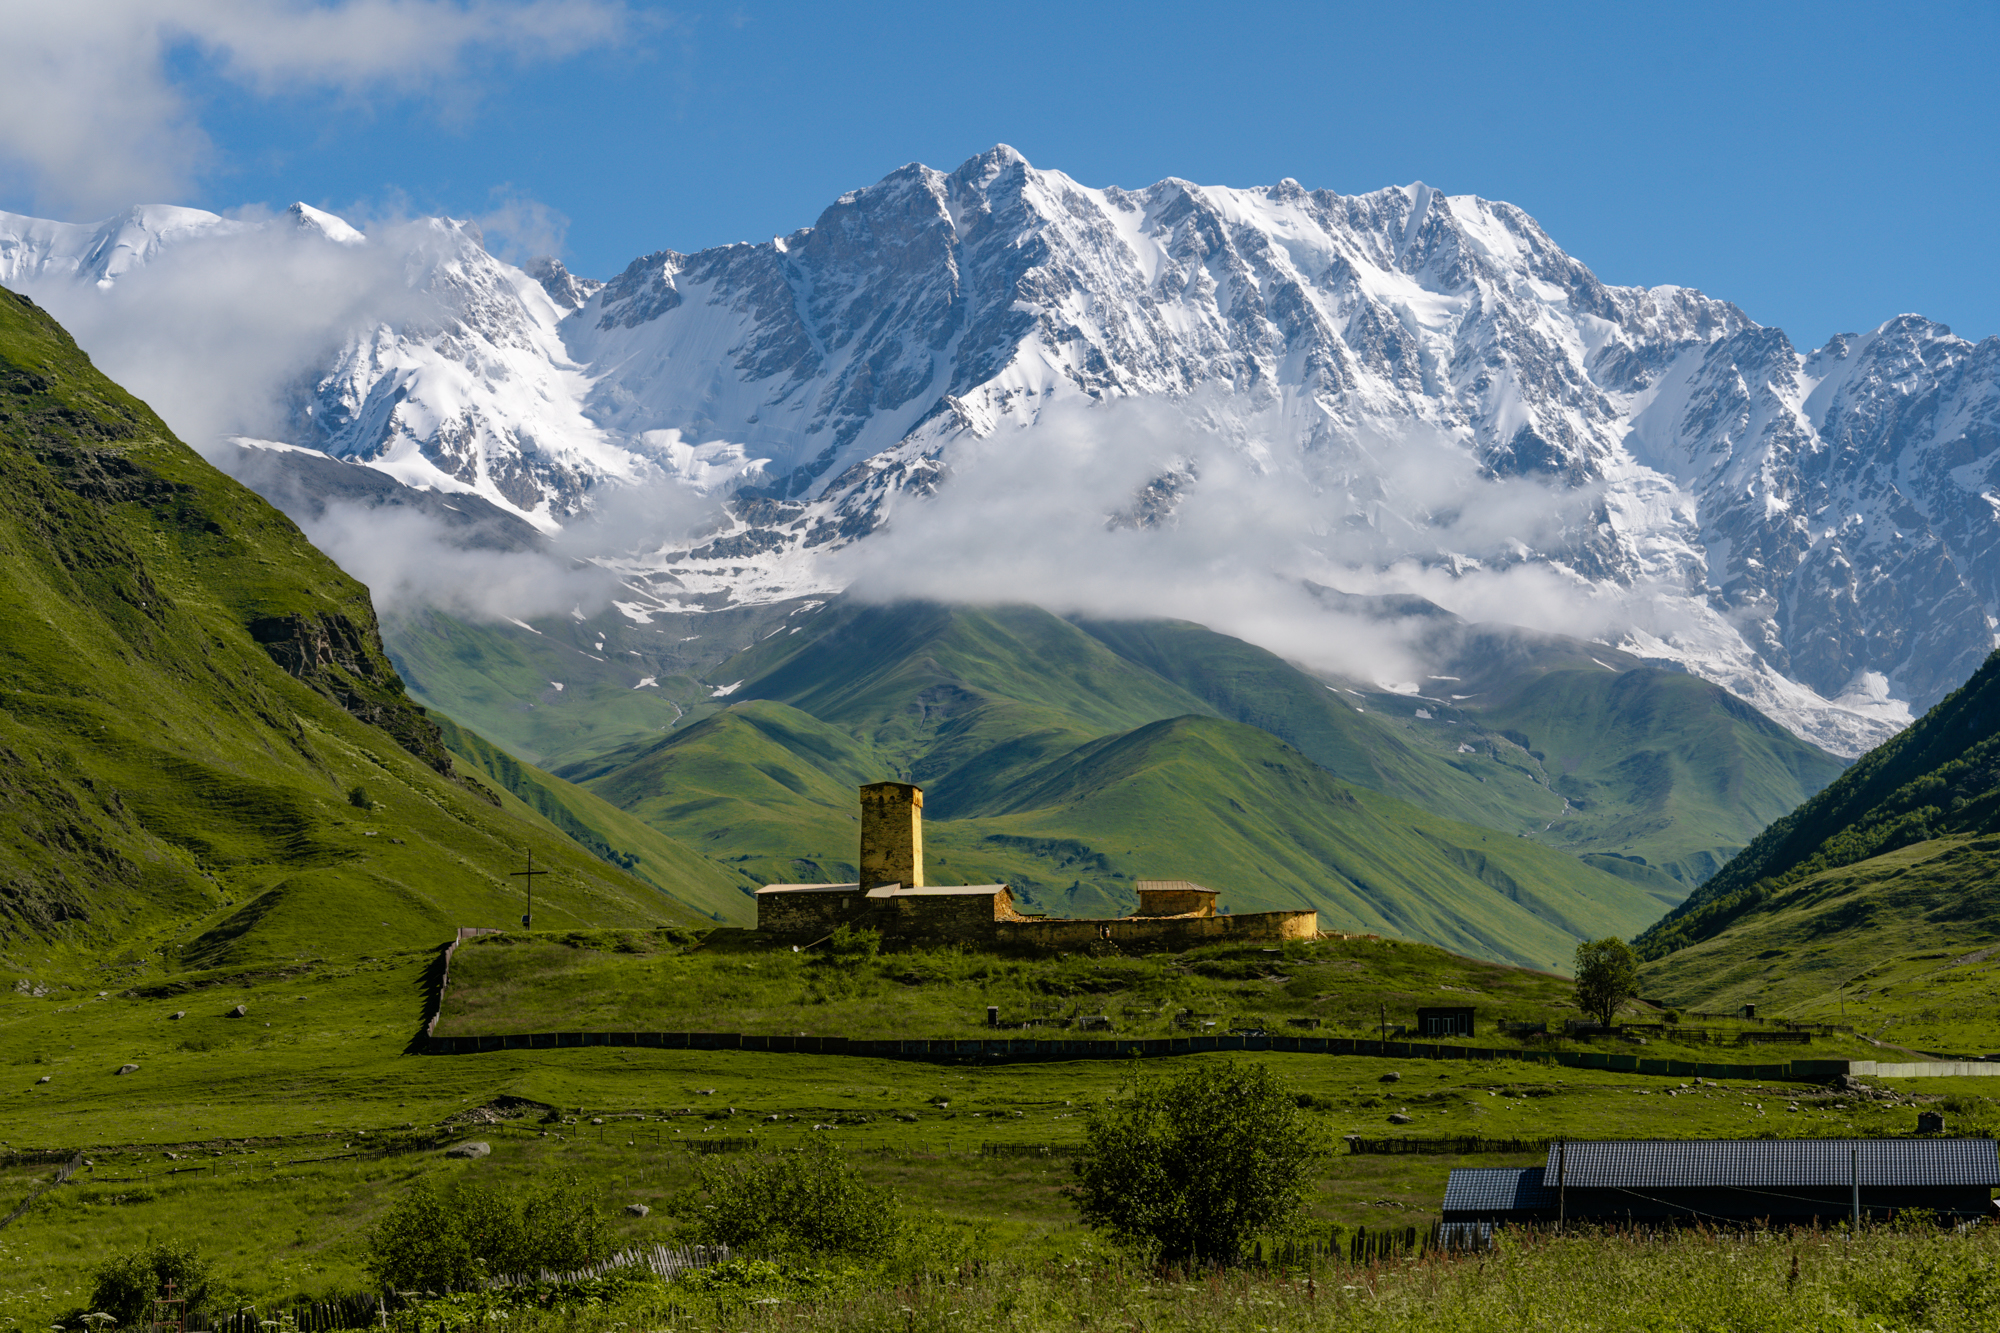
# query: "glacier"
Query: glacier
1816,531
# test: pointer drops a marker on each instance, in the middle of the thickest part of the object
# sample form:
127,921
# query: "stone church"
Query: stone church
892,897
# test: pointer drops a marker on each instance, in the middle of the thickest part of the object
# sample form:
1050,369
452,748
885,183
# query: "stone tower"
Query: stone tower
892,835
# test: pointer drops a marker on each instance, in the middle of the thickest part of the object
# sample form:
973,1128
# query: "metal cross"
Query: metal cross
529,875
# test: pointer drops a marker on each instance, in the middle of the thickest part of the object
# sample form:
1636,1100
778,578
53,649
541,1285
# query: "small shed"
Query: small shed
1448,1022
1174,897
1780,1181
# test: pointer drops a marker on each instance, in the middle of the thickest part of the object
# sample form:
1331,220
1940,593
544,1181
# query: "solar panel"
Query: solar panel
1483,1189
1670,1163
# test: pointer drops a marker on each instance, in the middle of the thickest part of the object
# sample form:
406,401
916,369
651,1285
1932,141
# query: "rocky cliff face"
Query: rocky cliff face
1815,532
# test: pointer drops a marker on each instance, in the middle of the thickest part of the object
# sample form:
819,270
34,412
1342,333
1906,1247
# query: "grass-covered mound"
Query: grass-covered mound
206,761
739,981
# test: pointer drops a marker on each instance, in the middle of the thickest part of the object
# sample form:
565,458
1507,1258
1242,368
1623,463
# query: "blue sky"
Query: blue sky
1824,166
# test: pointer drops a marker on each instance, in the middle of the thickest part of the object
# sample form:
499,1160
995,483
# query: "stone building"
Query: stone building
891,897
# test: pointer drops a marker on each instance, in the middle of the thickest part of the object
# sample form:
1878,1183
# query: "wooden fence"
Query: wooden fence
1359,1146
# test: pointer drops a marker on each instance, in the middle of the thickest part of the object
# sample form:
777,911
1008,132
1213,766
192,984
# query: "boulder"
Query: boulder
239,1011
1398,1118
178,1014
43,1079
128,1069
636,1210
1392,1077
469,1150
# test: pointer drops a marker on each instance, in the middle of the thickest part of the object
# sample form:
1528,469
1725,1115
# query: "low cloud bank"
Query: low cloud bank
1147,509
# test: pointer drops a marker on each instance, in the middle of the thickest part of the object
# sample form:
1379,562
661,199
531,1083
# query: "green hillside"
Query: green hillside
206,760
1655,776
1054,764
1938,779
608,832
1886,876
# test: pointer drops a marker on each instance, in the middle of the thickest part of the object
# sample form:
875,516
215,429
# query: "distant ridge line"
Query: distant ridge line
997,1050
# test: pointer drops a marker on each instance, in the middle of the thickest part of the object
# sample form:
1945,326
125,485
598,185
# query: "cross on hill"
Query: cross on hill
529,875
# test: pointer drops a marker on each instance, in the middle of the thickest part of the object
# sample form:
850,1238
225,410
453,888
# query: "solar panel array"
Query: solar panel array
1683,1163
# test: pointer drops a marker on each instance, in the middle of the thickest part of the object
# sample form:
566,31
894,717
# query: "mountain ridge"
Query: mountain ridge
1805,530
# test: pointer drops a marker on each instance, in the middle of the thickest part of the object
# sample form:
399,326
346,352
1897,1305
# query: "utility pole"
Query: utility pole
528,875
1385,1022
1854,1164
1562,1184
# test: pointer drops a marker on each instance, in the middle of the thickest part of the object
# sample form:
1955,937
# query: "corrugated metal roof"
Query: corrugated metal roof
1169,885
1486,1189
809,888
1668,1164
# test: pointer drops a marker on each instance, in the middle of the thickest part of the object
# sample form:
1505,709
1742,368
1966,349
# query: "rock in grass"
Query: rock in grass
128,1069
43,1079
636,1210
1392,1077
469,1150
1398,1118
239,1011
178,1015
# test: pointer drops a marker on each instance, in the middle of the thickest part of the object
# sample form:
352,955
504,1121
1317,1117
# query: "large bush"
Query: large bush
442,1241
806,1200
1190,1168
126,1285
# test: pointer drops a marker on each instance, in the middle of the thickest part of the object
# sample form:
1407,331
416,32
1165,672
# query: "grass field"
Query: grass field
316,1070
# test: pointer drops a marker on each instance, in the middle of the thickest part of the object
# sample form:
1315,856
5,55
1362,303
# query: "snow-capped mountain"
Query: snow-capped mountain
1817,532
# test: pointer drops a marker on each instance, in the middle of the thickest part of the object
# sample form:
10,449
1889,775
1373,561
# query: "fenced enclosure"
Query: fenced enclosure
1359,1146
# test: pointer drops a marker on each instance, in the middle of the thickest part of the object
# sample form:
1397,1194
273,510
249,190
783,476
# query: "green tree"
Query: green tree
1192,1167
1607,975
805,1200
126,1285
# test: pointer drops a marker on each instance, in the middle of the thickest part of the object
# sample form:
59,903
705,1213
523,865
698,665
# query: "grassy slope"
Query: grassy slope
1896,945
1058,766
610,833
163,783
1935,783
1660,768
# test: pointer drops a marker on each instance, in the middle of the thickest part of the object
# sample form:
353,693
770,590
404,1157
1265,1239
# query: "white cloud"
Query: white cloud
91,116
1028,516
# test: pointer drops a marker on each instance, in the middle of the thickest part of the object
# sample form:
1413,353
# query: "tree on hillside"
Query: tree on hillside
1607,975
1191,1168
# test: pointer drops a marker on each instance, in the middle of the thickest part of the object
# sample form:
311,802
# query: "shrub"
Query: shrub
806,1200
125,1286
358,797
432,1241
1191,1167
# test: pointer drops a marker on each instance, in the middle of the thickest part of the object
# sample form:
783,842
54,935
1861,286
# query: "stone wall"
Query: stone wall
811,912
1161,932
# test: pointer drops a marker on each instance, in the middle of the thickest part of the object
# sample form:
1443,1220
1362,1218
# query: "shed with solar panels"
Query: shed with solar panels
1777,1181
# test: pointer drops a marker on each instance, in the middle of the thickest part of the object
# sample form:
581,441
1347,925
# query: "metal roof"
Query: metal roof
1169,886
1486,1189
809,888
1669,1163
932,890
